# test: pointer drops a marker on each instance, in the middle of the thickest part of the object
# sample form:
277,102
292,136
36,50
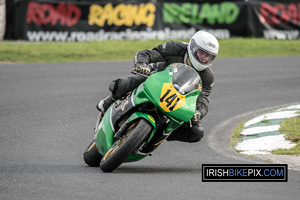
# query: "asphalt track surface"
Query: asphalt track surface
47,114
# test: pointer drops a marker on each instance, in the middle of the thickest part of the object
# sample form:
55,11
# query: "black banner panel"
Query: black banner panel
74,20
245,173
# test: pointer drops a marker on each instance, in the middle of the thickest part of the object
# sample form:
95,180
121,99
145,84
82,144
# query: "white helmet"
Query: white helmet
205,42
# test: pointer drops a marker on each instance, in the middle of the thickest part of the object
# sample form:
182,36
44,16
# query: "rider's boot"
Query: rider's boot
187,133
104,104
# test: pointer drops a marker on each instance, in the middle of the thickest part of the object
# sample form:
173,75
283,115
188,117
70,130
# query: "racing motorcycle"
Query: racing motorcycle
133,127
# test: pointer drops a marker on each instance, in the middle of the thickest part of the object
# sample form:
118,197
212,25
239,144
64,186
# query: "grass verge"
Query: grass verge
236,134
291,128
38,52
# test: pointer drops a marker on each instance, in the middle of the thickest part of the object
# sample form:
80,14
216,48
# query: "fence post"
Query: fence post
2,19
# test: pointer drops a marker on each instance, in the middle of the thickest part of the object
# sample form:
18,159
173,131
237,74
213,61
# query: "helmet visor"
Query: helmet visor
201,55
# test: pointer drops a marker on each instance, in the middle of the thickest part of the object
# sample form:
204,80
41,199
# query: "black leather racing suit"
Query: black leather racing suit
159,58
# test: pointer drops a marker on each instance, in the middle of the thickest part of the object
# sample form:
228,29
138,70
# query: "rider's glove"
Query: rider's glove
142,68
197,116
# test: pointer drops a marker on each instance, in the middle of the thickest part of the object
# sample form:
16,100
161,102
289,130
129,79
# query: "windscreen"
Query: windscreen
185,79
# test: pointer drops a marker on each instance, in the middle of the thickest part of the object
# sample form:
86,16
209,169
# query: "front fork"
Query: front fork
158,138
99,118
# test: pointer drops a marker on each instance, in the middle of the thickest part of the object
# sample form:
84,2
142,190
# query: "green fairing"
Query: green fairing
105,134
154,87
151,86
149,91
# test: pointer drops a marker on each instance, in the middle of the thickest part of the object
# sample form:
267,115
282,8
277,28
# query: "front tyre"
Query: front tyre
126,145
91,155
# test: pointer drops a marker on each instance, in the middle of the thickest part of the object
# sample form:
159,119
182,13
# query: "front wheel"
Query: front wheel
126,145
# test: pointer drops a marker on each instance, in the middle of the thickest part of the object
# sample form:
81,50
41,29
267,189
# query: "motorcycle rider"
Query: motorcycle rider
199,53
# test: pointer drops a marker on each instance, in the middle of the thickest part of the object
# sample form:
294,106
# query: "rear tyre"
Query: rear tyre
122,148
91,155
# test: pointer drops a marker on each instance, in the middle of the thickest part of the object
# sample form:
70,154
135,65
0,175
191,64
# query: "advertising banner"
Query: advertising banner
53,20
274,19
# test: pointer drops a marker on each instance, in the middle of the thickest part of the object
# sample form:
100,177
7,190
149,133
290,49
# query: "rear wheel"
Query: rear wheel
126,145
91,155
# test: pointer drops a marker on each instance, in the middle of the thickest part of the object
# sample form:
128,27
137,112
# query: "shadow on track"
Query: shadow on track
75,169
156,170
